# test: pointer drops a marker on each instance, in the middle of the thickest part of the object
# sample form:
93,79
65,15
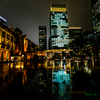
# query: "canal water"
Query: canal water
49,83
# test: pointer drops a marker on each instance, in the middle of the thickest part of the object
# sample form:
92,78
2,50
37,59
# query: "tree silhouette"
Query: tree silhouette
83,47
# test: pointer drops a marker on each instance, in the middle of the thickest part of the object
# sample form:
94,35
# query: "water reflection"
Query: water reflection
60,76
64,82
12,76
69,80
61,82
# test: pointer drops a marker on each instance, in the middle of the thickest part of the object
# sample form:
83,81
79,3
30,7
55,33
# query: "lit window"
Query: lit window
28,63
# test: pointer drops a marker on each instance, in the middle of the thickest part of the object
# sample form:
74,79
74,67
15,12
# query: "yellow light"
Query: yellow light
17,66
22,67
56,9
74,27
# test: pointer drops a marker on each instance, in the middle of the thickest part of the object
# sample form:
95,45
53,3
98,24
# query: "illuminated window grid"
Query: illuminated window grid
8,39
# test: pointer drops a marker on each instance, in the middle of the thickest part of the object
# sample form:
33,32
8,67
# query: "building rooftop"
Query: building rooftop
3,19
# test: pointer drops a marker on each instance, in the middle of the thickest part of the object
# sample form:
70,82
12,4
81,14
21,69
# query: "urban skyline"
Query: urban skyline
69,70
32,18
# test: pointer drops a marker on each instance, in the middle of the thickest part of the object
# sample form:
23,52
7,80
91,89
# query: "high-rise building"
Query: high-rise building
96,18
59,33
93,2
42,38
74,32
96,25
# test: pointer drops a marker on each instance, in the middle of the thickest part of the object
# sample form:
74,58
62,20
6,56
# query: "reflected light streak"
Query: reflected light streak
64,66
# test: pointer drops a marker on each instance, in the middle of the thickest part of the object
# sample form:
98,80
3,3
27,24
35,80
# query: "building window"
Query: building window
3,34
28,63
8,36
19,47
11,38
28,56
8,46
3,43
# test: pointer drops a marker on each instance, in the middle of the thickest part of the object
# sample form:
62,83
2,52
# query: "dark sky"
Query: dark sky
29,14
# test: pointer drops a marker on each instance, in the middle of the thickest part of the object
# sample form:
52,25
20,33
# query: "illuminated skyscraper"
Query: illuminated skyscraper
59,33
42,38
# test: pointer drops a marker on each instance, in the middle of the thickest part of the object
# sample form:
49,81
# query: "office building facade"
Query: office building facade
7,43
74,32
96,18
59,33
42,38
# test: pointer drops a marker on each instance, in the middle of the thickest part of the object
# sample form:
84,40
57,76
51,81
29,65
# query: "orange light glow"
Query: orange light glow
28,56
0,55
28,63
24,70
3,70
17,51
4,54
25,47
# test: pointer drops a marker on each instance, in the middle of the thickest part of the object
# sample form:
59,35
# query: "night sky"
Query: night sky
29,14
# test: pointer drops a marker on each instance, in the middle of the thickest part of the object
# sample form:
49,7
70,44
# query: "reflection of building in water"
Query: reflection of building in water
24,79
61,83
60,76
4,69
